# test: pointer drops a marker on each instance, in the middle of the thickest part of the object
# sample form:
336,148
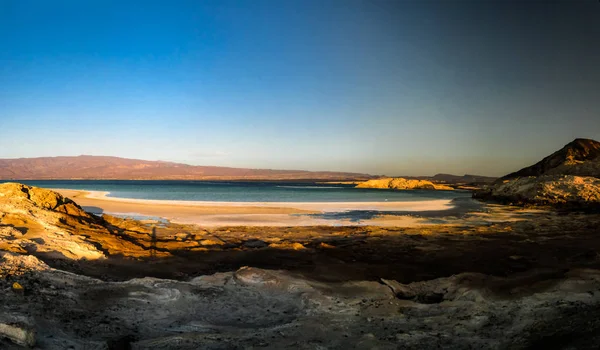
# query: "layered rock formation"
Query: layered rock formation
569,178
399,183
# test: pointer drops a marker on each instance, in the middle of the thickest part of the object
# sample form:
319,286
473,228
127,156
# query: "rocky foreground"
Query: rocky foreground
256,308
501,279
399,183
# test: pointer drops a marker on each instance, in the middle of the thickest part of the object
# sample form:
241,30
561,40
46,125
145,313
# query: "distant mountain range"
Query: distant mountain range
100,167
114,168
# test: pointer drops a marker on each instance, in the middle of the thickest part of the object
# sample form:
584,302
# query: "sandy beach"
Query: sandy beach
251,213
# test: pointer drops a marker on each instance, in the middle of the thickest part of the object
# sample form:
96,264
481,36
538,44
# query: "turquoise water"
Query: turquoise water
244,191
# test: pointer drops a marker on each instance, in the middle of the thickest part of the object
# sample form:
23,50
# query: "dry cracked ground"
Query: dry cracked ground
502,278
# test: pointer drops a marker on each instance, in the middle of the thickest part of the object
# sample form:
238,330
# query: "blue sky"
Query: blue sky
384,87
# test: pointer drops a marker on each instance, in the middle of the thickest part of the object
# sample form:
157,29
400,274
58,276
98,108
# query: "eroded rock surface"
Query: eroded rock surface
399,183
274,309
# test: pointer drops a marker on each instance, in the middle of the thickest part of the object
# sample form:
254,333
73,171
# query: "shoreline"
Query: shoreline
426,205
416,206
215,214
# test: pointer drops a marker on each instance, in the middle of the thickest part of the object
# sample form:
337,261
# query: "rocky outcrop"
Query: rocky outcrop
565,191
573,159
399,183
38,220
17,265
569,178
23,196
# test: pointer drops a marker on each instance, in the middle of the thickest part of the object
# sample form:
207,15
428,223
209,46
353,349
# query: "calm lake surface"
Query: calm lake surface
230,191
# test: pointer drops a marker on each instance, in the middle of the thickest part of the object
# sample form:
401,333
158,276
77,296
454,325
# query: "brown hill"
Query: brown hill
579,157
99,167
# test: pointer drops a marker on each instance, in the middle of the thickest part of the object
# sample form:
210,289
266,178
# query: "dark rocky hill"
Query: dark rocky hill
568,178
568,160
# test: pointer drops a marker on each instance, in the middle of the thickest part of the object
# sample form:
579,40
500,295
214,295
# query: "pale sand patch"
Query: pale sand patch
250,213
257,220
169,208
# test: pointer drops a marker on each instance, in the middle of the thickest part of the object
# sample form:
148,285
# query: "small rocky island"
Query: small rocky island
399,183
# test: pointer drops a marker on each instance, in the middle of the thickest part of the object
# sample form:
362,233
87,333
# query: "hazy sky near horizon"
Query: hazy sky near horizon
384,87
